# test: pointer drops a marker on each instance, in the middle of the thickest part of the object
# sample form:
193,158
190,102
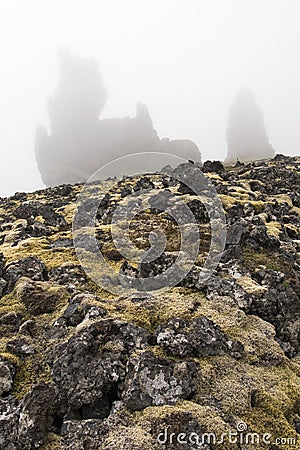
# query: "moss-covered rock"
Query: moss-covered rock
129,371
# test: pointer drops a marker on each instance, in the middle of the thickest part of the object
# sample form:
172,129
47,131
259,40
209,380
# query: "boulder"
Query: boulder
29,267
157,381
24,426
201,338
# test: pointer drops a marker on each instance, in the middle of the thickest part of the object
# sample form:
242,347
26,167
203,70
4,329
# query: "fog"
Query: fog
186,60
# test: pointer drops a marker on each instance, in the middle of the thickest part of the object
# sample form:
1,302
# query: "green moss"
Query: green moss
285,284
41,296
17,308
272,416
33,370
52,442
11,303
265,398
254,259
271,261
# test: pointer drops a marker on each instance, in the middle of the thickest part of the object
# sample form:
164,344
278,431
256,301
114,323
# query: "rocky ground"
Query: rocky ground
81,368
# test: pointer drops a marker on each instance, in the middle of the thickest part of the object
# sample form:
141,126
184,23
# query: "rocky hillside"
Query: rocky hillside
195,367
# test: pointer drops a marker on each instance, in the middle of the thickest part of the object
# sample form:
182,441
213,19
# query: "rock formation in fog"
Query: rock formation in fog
79,142
247,139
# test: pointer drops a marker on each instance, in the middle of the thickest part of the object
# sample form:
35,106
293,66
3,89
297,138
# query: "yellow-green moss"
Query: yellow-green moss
135,436
234,383
250,286
255,259
240,195
283,198
258,206
207,417
13,359
39,247
52,442
228,201
11,306
31,371
149,313
273,229
237,197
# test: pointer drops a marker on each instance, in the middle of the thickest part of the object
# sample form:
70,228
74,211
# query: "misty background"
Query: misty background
185,59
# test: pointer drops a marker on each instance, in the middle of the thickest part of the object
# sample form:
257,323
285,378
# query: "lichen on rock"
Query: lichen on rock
83,368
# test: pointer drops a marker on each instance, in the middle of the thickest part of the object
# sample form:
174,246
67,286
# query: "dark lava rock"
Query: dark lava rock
157,266
30,210
235,234
38,229
235,213
143,183
10,318
258,237
280,305
79,433
3,285
24,426
185,189
152,381
128,270
126,190
199,211
233,254
82,306
217,286
68,274
92,433
82,376
20,347
30,267
72,314
221,188
161,201
88,369
88,305
213,166
2,264
201,338
7,373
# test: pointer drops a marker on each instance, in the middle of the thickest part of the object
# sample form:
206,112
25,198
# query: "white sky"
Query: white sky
186,59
